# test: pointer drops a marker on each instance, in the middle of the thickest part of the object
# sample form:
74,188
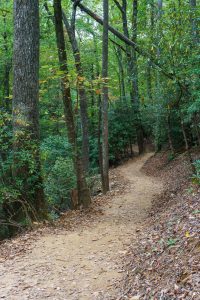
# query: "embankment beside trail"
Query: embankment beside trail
163,260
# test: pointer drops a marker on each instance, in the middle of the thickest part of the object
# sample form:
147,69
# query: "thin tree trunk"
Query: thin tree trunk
105,154
25,102
121,74
149,65
149,82
158,78
170,134
187,147
83,191
81,91
7,69
136,100
193,21
99,131
196,122
159,17
129,42
6,86
132,68
92,92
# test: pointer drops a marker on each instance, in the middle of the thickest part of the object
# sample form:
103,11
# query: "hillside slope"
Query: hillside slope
164,263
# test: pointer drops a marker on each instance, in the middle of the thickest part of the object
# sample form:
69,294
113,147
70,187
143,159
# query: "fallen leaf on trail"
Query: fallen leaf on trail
187,234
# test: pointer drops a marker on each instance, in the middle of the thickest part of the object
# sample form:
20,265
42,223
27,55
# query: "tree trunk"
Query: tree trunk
187,147
193,21
149,65
149,82
132,68
121,74
159,17
129,42
196,122
136,100
83,191
7,68
99,131
25,103
81,91
6,86
169,133
105,154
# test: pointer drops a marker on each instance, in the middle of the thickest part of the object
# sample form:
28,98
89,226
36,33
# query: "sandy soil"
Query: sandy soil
84,264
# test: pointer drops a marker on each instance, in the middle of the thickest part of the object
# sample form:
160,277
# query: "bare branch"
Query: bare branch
119,46
119,6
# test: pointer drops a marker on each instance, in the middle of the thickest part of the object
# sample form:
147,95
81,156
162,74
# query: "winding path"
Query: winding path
84,264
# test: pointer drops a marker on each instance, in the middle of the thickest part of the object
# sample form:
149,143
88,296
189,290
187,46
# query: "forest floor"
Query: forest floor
139,242
163,260
80,258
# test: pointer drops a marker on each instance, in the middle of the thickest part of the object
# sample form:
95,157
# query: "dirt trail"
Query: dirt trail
84,264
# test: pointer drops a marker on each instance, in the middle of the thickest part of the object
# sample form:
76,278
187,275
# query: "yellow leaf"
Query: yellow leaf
187,234
80,78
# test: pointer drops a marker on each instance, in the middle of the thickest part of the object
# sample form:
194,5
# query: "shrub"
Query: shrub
196,176
58,184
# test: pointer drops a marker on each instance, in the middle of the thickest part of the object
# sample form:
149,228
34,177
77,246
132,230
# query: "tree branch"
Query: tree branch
49,12
73,18
119,46
119,6
129,42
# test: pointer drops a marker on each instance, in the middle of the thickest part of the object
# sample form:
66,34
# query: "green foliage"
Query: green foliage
170,157
196,176
52,148
8,196
122,134
122,131
59,175
196,211
58,184
171,242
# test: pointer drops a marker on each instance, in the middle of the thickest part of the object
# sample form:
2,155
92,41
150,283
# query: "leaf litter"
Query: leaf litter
163,262
79,255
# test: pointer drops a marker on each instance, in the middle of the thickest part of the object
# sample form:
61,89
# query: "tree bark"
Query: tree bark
99,131
193,17
6,86
25,102
169,133
7,68
105,153
187,148
119,56
149,82
196,122
83,191
135,90
81,91
149,65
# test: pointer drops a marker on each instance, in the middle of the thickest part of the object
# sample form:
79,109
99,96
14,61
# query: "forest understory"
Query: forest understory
140,241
